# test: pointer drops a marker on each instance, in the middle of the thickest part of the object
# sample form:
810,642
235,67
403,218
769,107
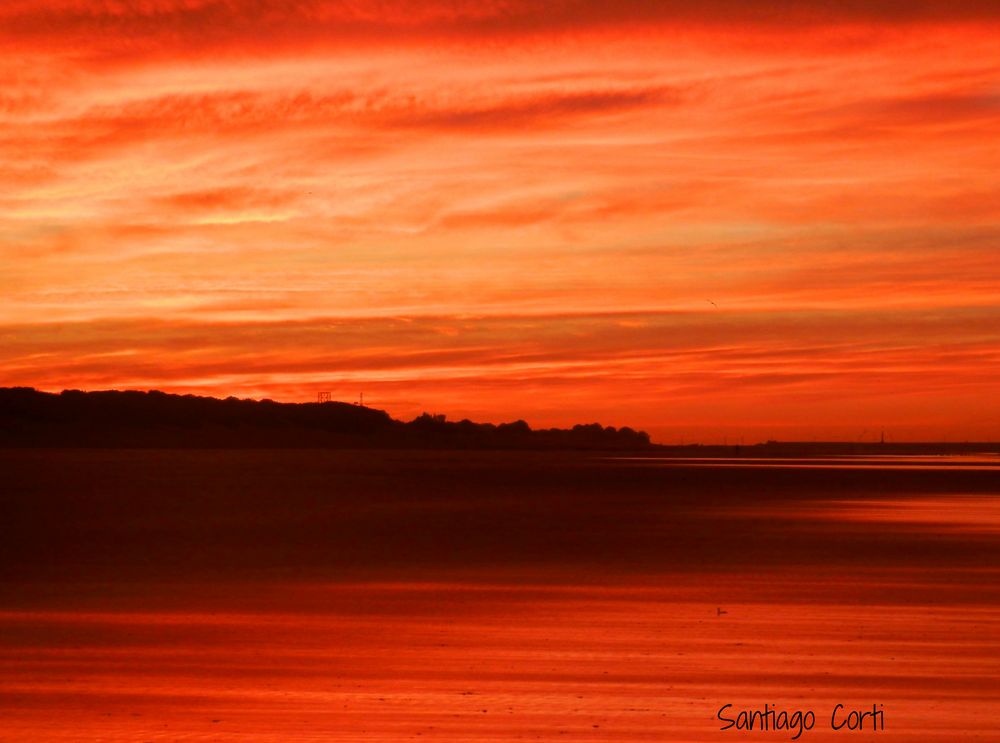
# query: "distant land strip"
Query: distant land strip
134,419
30,418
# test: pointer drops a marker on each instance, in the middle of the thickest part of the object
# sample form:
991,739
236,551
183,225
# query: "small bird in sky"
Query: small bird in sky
712,303
719,611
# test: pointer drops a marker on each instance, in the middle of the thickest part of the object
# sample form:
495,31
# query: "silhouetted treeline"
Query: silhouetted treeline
156,419
466,434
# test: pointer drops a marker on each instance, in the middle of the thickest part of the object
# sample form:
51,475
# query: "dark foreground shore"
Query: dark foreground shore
315,595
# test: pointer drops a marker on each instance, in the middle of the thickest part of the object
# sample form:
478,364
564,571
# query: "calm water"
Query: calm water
371,596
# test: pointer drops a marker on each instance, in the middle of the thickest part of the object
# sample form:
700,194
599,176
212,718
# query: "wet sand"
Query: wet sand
207,595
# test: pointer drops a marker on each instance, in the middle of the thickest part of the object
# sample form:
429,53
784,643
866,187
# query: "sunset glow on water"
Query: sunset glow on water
540,621
455,662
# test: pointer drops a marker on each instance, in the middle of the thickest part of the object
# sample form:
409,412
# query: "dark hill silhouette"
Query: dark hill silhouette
31,418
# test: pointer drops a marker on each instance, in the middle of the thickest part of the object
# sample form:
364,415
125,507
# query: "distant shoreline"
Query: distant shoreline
806,449
146,420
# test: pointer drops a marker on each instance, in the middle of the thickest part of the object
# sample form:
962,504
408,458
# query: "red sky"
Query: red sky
703,219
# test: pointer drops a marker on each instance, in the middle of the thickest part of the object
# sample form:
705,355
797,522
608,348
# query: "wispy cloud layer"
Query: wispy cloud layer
477,201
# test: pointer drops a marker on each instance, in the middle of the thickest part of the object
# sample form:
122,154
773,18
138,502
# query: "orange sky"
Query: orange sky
701,219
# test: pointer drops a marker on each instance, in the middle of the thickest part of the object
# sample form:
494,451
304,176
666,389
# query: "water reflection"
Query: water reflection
339,598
